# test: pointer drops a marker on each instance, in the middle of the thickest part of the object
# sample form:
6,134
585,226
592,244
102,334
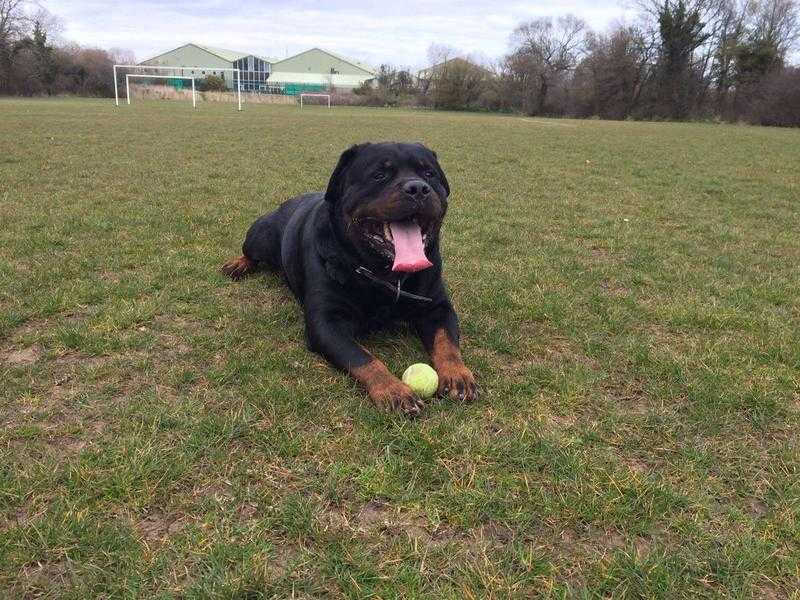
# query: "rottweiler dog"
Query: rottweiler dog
363,254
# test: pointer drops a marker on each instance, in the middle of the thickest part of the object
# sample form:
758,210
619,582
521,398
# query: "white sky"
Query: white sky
374,32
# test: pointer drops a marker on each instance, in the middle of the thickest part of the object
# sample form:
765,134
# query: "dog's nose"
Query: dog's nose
416,188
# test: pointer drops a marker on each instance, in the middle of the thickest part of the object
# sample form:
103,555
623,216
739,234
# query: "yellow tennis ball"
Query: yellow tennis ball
422,379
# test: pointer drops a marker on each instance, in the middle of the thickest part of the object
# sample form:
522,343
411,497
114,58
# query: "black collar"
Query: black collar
342,270
396,291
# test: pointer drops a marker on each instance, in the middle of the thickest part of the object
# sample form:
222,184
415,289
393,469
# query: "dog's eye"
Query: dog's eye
379,175
430,174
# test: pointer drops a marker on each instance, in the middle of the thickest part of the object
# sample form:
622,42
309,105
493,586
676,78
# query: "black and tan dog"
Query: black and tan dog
362,254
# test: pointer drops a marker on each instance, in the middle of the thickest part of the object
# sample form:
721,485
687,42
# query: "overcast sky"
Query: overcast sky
398,32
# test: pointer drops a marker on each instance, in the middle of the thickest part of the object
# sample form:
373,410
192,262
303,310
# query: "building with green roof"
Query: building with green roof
314,70
254,69
319,70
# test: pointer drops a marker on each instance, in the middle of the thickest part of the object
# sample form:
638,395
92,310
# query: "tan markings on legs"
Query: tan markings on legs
455,378
386,390
238,267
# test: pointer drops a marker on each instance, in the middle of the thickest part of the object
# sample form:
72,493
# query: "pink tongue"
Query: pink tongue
409,251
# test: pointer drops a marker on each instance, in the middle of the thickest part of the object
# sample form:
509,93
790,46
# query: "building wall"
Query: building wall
314,82
191,56
316,61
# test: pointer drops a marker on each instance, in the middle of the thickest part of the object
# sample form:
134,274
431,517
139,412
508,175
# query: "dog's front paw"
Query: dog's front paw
397,396
458,382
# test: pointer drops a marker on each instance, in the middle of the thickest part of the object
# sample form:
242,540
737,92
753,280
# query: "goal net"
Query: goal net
178,82
315,99
173,81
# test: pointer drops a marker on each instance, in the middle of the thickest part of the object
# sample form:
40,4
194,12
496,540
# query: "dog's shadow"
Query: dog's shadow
396,343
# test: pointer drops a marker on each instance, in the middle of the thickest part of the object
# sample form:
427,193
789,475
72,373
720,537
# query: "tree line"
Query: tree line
31,64
685,59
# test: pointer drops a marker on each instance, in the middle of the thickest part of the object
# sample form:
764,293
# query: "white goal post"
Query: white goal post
309,95
148,67
128,77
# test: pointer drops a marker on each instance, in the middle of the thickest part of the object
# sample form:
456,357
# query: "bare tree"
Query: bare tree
777,22
13,19
544,50
14,24
728,34
52,24
440,53
609,81
122,56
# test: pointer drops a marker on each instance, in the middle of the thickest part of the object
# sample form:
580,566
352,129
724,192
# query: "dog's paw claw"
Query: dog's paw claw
400,398
459,384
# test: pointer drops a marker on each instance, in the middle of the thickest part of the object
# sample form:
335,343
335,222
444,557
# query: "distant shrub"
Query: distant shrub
212,83
779,101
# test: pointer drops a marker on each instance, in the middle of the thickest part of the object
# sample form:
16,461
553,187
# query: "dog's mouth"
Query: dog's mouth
403,242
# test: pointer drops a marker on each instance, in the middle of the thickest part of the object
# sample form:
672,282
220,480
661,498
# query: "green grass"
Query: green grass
629,295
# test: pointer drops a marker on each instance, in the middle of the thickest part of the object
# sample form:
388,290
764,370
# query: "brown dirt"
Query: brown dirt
157,526
757,507
41,576
78,358
21,357
374,511
614,289
628,395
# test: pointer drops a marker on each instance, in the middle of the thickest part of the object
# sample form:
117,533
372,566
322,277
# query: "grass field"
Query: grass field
630,300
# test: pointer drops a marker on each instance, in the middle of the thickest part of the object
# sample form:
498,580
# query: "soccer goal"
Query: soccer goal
175,73
321,97
129,76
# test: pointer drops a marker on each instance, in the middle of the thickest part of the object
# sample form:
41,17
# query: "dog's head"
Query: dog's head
388,201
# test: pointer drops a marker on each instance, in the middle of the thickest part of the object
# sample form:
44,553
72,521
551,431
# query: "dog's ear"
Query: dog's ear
336,182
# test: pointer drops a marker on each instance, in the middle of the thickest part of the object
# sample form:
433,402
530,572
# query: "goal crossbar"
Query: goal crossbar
237,71
310,95
129,76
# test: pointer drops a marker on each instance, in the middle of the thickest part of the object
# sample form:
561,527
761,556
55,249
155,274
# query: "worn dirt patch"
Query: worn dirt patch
637,465
43,576
374,511
588,541
563,421
246,511
494,532
156,526
66,444
378,516
757,507
29,327
769,591
614,289
218,491
21,357
17,518
628,394
79,359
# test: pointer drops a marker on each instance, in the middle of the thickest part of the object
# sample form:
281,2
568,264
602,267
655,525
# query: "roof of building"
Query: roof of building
355,63
228,55
233,55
